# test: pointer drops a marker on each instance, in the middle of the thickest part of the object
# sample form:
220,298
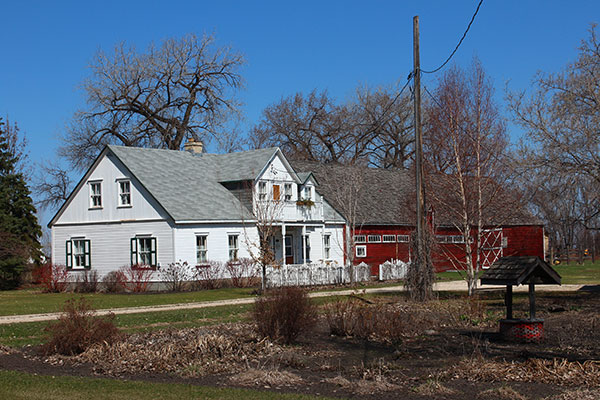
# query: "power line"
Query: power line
459,42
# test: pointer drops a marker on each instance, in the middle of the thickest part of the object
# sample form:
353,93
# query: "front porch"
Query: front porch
298,244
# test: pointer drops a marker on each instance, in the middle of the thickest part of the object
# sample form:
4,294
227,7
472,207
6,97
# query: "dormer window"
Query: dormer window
96,194
262,190
307,193
124,193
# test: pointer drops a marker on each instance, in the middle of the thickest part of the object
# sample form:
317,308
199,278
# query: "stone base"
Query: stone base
522,330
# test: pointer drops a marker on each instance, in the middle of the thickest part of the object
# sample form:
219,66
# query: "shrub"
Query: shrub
284,313
52,277
242,272
209,276
78,328
114,282
87,282
176,275
137,277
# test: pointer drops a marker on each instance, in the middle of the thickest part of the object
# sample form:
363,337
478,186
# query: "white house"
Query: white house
155,207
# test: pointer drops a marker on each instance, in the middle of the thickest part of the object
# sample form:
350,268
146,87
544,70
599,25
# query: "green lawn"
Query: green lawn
587,273
33,301
22,334
23,386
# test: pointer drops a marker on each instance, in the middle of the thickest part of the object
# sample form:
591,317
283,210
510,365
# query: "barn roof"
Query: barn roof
387,196
520,270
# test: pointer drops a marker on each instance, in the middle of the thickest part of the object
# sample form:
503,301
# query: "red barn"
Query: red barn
380,204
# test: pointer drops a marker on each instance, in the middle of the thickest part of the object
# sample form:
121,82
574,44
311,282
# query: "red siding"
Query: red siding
521,241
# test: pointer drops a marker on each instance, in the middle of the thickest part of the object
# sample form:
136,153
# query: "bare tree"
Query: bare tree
561,118
371,129
52,185
182,88
466,143
268,213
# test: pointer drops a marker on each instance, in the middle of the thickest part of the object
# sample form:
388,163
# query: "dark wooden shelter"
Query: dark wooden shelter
515,271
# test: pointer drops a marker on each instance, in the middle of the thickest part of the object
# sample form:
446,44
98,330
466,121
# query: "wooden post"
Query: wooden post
508,302
418,149
531,301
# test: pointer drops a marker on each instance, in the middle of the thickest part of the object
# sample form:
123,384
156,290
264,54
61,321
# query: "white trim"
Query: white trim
362,247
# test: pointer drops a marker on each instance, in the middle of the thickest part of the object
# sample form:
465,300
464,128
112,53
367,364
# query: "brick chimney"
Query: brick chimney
193,146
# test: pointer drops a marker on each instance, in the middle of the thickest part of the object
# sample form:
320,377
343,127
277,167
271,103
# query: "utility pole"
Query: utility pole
418,145
420,275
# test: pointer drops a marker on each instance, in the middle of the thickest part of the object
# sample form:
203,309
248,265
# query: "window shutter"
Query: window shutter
153,252
134,256
87,253
69,253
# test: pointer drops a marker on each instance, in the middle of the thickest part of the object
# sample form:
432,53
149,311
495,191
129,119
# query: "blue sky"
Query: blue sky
289,46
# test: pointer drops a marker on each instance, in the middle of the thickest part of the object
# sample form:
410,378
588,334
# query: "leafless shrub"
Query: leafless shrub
114,282
242,272
210,275
78,328
87,282
53,277
433,388
284,313
137,277
176,275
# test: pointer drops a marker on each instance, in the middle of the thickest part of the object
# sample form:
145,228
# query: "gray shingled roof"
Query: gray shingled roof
187,185
519,270
387,197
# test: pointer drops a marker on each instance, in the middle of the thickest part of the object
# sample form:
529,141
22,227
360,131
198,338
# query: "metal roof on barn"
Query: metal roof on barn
520,270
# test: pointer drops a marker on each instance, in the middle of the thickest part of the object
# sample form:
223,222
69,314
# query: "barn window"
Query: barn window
78,253
374,238
441,238
403,239
360,239
143,251
389,238
457,239
361,251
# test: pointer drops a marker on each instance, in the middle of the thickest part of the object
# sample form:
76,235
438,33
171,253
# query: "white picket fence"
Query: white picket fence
393,270
315,274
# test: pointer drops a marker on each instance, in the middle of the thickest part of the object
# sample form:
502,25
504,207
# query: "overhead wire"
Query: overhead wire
459,42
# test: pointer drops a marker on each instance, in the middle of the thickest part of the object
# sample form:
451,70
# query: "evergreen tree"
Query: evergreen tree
19,228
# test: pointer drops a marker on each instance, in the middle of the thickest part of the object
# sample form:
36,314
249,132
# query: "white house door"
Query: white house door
289,249
491,246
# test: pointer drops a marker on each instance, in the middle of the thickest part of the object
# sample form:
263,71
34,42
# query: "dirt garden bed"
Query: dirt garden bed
449,349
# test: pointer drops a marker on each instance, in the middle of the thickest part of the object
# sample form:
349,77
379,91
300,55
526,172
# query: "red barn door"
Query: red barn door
491,246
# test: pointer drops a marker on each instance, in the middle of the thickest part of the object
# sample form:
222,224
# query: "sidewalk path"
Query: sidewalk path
452,286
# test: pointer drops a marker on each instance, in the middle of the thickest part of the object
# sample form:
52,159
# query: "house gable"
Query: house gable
113,179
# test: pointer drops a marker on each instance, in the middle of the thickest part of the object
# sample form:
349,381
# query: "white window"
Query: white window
374,238
327,246
360,239
457,239
262,190
361,251
233,247
124,193
201,249
143,251
307,248
78,253
96,194
287,190
389,238
403,238
307,193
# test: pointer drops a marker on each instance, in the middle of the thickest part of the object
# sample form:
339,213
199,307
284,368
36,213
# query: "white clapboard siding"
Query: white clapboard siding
108,171
110,243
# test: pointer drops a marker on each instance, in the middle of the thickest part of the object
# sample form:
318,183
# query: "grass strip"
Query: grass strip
23,386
